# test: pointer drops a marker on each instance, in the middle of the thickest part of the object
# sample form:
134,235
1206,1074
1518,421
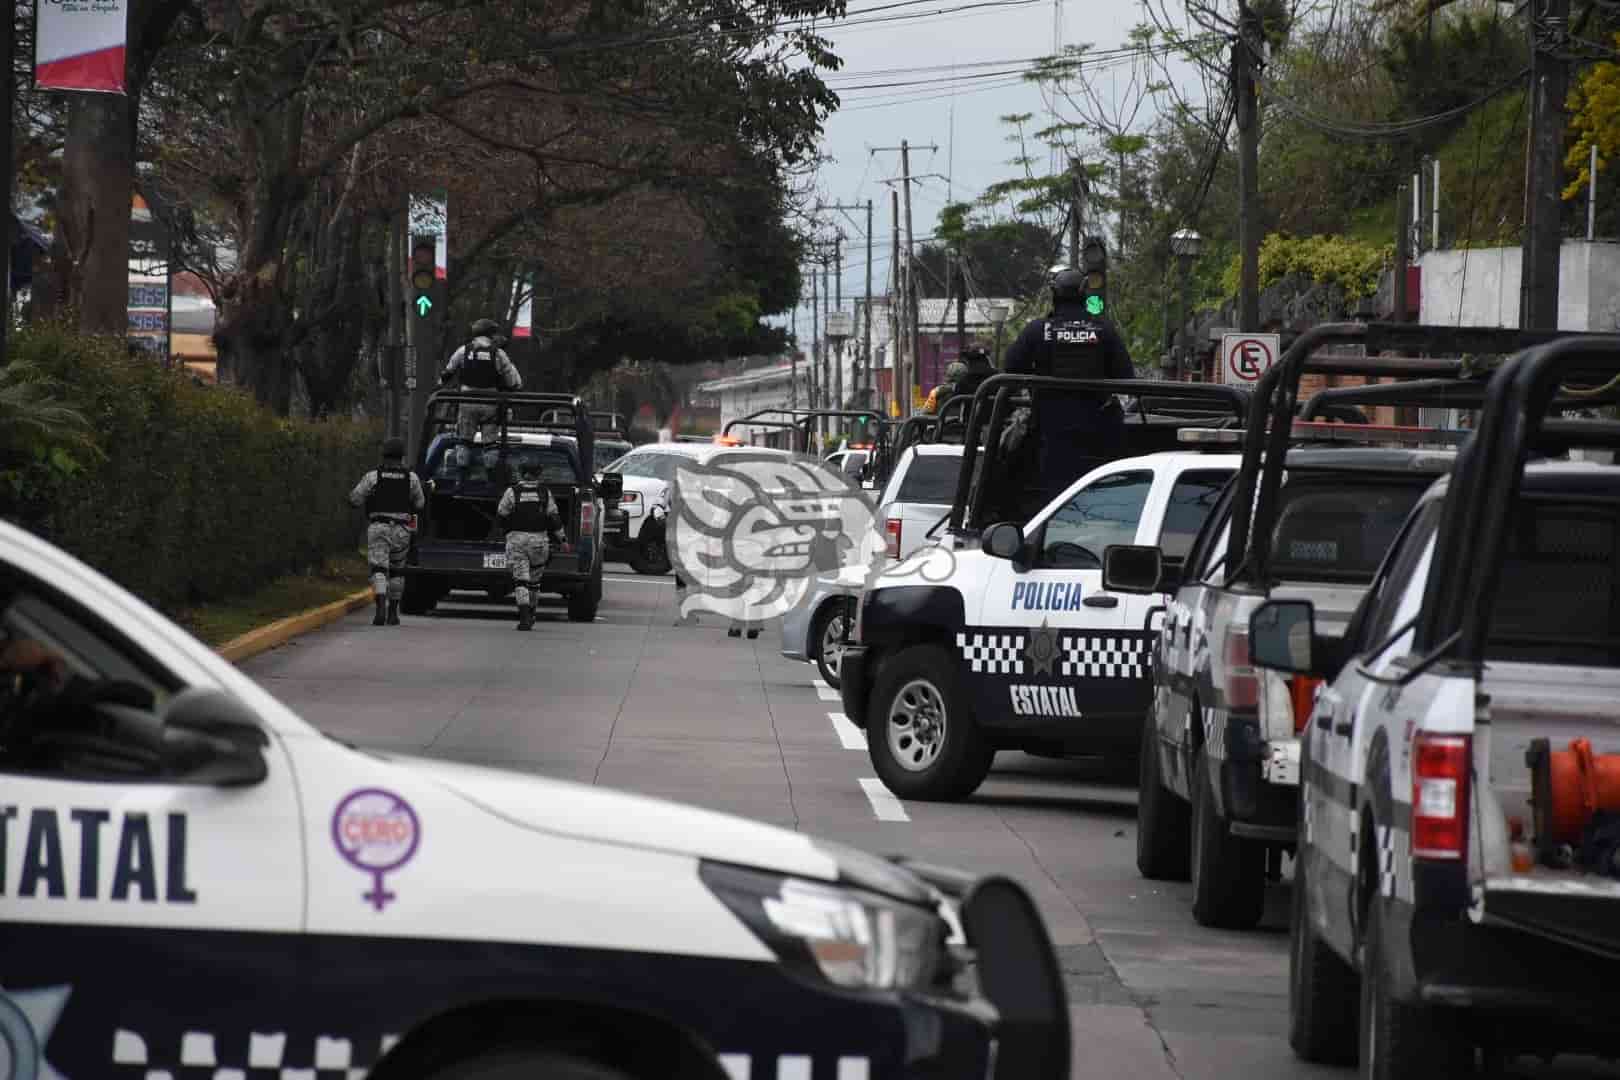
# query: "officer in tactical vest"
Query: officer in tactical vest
481,364
529,514
1078,431
390,493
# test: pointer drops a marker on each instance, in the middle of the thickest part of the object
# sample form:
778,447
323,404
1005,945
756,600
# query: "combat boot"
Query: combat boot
526,617
393,613
382,612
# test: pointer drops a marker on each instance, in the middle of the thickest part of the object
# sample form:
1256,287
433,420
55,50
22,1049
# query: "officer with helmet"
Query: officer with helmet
529,514
1078,430
481,364
390,493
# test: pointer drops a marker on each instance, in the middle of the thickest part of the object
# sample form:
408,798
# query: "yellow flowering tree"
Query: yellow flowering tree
1594,107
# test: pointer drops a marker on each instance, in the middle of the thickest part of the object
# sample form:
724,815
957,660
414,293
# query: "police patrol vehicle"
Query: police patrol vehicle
194,882
1001,636
1457,881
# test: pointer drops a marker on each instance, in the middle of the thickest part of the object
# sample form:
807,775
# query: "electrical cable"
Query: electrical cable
1393,129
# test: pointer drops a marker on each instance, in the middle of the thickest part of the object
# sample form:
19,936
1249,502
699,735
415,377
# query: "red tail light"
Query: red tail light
1302,689
891,530
1242,685
587,519
1439,796
629,497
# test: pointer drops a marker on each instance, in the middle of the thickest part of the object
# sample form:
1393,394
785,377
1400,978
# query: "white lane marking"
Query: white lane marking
826,693
884,805
668,583
849,735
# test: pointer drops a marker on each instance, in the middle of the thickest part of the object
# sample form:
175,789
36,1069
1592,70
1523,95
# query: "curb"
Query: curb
281,631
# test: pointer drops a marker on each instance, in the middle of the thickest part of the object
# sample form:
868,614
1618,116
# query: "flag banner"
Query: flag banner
79,45
430,214
523,292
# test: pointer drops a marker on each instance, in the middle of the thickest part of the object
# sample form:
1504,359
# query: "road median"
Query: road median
265,638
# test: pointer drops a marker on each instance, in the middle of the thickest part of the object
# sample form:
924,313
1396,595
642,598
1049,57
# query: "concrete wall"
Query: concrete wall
1481,287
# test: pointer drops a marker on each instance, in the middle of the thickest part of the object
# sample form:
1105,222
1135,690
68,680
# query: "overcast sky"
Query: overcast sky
961,118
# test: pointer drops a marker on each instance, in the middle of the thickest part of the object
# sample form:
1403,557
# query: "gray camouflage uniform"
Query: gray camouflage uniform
388,538
528,552
471,418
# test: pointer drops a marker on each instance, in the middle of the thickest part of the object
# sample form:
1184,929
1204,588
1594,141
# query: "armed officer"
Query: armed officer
1079,430
390,493
481,364
529,514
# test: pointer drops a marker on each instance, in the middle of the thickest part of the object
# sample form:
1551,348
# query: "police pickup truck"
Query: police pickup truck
1000,636
1457,885
459,543
194,882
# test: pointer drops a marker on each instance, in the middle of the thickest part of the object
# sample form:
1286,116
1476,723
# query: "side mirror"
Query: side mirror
1136,569
1003,541
611,486
211,737
1281,636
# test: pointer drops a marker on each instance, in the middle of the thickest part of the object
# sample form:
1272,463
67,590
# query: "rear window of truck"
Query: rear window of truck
1558,599
1338,528
931,479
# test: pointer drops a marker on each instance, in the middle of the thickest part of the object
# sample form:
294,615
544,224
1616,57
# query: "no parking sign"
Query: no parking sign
1246,357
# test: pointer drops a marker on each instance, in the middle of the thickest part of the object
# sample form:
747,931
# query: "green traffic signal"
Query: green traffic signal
423,306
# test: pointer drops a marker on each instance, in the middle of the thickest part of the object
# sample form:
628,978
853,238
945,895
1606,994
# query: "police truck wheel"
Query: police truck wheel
582,605
1321,990
1401,1041
920,733
650,556
1228,872
827,639
1163,822
528,1064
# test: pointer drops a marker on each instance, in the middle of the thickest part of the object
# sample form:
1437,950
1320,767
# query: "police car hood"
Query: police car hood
616,817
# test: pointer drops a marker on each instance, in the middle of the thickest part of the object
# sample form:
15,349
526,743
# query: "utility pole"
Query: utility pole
1548,21
1245,51
865,381
7,47
815,333
394,347
838,306
911,281
1403,254
1076,211
897,365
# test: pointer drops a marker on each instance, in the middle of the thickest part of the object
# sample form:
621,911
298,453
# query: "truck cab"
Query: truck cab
1001,636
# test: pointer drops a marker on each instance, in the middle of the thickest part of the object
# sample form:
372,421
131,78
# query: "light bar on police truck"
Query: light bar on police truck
1330,431
1209,436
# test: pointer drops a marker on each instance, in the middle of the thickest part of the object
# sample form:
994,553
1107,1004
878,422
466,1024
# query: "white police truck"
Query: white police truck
194,882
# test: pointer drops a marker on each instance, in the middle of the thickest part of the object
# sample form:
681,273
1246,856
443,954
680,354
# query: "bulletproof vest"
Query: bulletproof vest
392,495
529,513
1074,349
478,368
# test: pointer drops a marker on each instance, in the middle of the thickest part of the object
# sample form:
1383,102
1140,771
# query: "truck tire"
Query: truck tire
649,555
1321,988
920,733
1228,872
1163,821
422,595
583,603
826,633
522,1063
1401,1041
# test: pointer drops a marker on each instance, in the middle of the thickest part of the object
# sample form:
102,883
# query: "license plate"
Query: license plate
495,562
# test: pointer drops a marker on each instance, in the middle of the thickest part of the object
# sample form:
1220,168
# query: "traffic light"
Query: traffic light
1094,261
424,274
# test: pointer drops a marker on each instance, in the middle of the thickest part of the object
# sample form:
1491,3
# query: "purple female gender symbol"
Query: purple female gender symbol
376,832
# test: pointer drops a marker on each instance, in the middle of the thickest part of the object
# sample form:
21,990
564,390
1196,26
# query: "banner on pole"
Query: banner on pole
79,45
523,327
430,213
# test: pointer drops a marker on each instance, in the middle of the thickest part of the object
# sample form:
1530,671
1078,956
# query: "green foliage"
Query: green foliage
1353,265
196,493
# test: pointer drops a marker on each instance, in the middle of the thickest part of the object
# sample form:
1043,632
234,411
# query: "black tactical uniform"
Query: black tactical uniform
1078,430
533,525
390,493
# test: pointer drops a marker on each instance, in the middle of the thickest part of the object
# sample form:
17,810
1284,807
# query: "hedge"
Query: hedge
197,492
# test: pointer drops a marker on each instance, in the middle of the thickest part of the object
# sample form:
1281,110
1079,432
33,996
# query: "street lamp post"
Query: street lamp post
998,316
1185,245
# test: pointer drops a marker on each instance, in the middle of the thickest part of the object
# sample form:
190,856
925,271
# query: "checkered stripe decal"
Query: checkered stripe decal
790,1067
265,1057
1394,853
1105,656
995,654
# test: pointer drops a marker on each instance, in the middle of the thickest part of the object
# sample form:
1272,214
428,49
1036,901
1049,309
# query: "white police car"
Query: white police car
194,882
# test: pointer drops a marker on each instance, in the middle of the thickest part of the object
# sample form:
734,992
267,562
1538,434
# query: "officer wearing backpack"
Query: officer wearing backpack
529,514
1078,431
481,364
390,493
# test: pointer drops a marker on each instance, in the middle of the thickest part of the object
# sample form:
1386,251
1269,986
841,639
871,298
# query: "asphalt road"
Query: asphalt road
638,702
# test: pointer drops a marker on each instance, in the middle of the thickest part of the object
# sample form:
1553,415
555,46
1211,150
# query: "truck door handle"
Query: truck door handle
1344,727
1324,720
1101,600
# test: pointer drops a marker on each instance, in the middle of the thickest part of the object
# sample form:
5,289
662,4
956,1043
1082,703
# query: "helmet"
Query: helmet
974,354
485,328
1067,284
954,371
528,468
393,448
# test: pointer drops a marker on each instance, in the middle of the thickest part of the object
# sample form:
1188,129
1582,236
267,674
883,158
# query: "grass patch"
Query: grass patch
216,624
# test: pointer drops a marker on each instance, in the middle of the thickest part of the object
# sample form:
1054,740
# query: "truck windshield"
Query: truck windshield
468,465
1338,528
